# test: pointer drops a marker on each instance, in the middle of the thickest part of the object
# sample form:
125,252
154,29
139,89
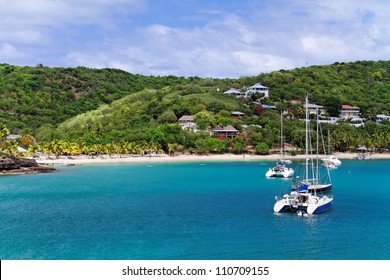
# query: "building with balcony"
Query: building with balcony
348,112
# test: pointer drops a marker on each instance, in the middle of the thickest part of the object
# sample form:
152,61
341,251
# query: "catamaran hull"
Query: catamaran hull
282,206
314,206
285,174
323,204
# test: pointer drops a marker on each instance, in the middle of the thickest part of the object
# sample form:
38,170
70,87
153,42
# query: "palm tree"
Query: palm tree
72,148
3,131
3,137
97,149
11,147
135,148
109,149
34,148
26,140
117,149
56,147
172,148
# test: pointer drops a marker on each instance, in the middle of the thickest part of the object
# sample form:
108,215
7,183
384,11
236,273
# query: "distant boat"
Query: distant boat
302,200
363,156
332,160
280,170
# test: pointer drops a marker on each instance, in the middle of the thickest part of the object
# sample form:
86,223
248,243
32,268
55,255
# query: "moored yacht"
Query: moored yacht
280,170
304,197
332,160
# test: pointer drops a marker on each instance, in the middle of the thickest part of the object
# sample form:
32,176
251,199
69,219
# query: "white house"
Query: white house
236,93
314,108
237,114
349,112
258,88
380,118
187,122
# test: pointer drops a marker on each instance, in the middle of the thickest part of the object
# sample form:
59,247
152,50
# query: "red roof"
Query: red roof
349,107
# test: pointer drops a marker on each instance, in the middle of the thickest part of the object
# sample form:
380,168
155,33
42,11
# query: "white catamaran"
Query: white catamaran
305,197
331,161
281,170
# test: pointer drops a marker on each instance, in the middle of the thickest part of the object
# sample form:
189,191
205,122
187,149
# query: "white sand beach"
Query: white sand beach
81,160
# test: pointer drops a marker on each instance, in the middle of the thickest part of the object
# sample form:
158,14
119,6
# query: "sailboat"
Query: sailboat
281,170
302,200
320,181
331,161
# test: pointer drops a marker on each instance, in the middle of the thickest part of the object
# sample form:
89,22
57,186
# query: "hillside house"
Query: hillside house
236,93
314,108
348,112
248,91
258,88
380,118
224,132
187,122
237,114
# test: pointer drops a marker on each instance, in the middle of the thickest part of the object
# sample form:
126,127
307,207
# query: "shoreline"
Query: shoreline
83,160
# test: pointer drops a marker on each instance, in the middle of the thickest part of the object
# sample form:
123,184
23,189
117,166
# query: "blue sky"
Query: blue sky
212,38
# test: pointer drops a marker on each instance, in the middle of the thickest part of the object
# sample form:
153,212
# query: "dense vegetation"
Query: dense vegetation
81,110
34,96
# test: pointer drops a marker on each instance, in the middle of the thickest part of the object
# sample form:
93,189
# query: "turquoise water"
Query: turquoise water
189,211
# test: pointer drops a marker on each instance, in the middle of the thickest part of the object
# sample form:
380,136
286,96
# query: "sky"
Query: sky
205,38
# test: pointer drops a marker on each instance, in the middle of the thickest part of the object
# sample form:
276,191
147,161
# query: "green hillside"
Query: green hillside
34,96
106,107
365,84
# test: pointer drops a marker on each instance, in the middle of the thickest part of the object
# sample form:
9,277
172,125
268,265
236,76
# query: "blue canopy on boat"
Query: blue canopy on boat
303,188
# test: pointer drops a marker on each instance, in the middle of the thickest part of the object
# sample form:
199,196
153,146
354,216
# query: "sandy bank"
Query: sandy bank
184,158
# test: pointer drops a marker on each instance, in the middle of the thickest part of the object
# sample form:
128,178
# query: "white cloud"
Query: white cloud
57,12
321,46
21,36
261,62
9,52
220,49
130,35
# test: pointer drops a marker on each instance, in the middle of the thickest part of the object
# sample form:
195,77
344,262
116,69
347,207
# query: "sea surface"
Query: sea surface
190,211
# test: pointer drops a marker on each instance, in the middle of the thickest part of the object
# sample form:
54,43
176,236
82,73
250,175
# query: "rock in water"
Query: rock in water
14,165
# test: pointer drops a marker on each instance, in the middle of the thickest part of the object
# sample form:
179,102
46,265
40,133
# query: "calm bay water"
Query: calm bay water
189,211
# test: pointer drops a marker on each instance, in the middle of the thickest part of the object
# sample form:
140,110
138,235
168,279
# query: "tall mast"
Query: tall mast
307,142
318,146
281,135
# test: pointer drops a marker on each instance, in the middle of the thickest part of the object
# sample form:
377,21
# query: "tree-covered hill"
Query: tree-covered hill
146,116
109,106
365,84
34,96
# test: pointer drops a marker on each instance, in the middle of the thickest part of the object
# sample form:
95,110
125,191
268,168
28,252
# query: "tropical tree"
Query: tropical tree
56,147
26,140
34,148
11,147
4,132
262,149
204,120
172,147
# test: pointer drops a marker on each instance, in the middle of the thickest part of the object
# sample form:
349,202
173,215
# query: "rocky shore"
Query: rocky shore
13,165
